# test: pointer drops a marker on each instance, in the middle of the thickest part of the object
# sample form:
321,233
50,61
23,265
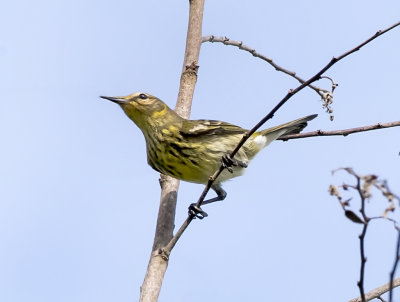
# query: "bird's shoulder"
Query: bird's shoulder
195,128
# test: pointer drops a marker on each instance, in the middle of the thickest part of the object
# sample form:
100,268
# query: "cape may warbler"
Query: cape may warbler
192,150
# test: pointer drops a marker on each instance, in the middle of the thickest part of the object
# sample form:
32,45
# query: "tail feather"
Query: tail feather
292,127
260,140
265,137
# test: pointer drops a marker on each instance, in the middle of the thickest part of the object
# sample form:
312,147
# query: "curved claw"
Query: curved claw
229,162
196,212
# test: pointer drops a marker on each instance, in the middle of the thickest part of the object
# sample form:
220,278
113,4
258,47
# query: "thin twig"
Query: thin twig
365,183
168,248
360,283
291,93
285,99
377,292
343,132
395,264
240,45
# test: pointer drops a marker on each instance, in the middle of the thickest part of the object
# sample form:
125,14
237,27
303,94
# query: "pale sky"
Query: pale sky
78,202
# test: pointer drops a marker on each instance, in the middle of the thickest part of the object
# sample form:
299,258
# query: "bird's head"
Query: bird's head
144,109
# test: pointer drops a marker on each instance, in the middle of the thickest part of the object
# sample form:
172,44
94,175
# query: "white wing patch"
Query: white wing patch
260,141
198,127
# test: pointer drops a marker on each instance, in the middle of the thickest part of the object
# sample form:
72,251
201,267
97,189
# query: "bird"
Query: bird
192,150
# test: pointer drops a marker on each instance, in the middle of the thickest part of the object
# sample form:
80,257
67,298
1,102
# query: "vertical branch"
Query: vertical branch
158,262
362,239
364,186
396,263
190,63
360,283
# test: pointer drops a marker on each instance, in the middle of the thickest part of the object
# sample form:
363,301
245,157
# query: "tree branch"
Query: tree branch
158,262
291,93
365,183
226,41
395,264
377,292
343,132
366,221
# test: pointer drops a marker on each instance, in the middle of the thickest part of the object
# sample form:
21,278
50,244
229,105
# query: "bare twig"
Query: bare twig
225,40
362,187
366,220
365,183
377,292
360,283
343,132
395,265
292,92
286,98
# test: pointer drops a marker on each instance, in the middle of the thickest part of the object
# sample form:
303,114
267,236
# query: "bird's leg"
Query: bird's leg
229,162
197,212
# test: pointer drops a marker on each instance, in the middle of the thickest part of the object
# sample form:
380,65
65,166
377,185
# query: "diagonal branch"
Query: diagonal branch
224,40
343,132
291,93
377,292
167,249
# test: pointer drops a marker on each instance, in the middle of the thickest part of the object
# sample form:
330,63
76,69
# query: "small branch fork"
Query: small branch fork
240,45
326,95
167,249
363,187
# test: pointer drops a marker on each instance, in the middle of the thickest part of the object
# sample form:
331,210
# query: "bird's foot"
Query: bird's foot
196,212
229,162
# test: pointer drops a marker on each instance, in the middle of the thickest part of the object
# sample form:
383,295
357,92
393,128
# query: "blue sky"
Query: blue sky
78,202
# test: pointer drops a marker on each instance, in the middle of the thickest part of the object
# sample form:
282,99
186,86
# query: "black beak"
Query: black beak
117,100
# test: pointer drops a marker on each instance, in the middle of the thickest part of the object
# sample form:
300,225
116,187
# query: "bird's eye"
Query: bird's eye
143,96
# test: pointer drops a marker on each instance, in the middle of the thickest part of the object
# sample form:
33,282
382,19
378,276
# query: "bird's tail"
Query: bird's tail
292,127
